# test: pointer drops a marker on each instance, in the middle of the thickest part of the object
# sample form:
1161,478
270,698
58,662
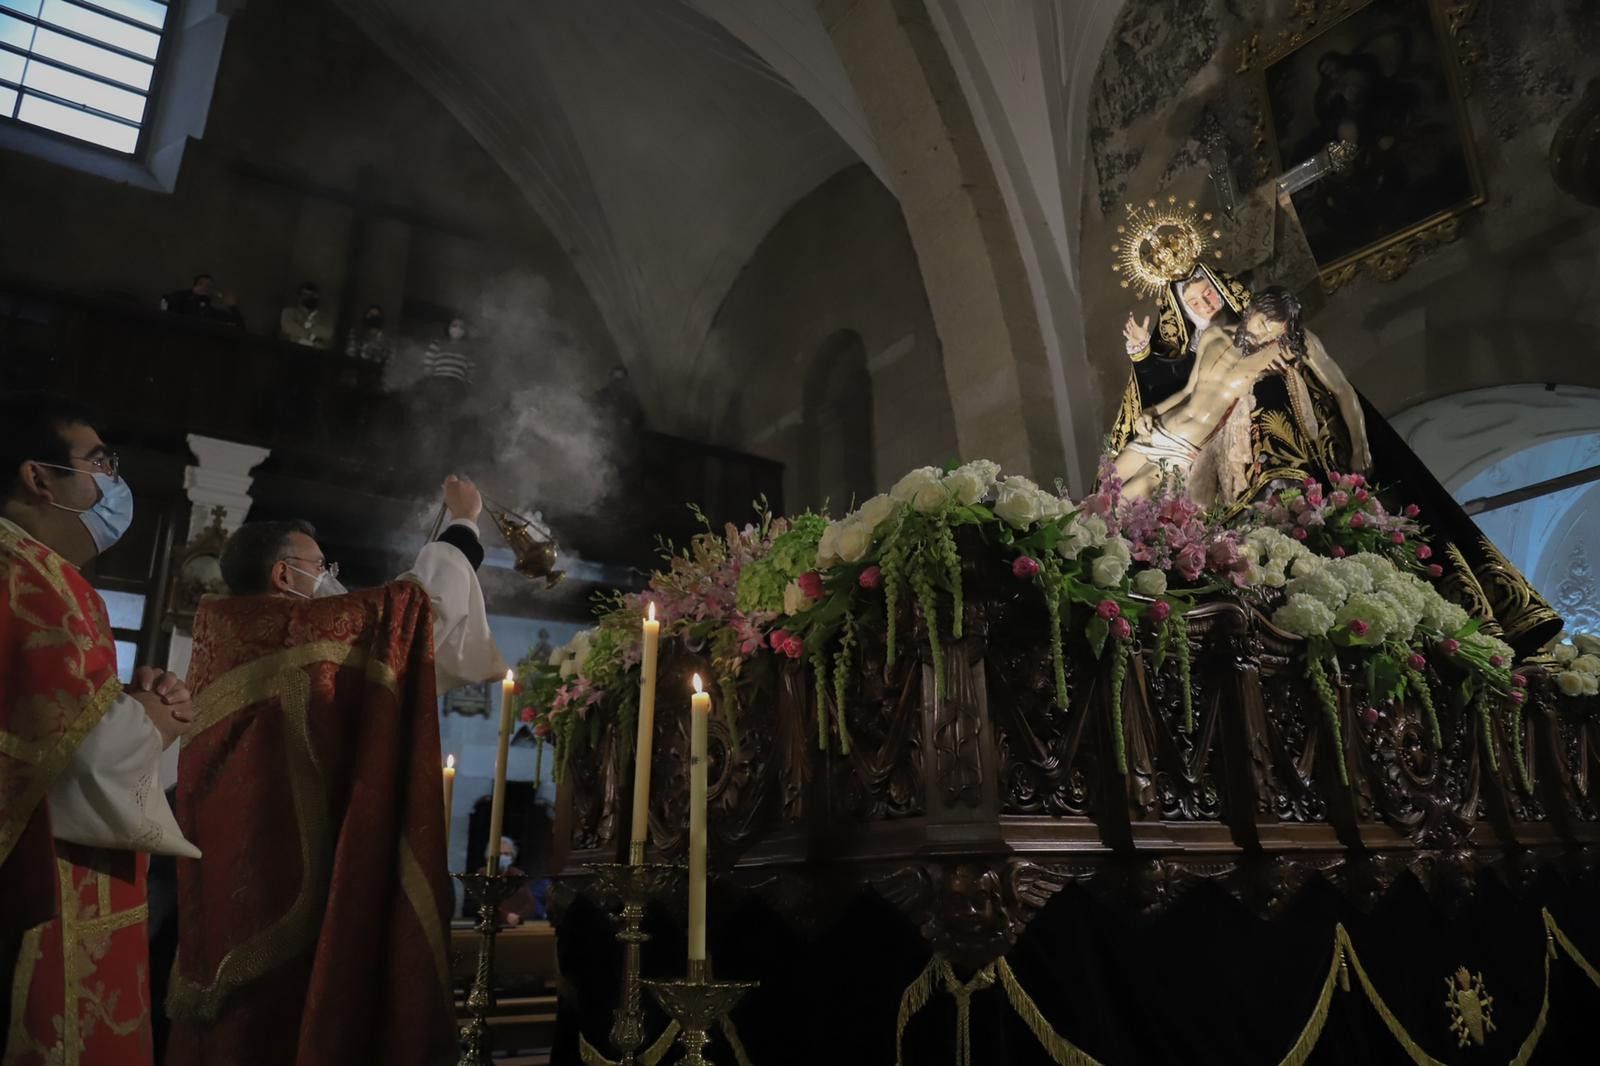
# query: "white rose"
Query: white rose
795,599
1591,685
568,668
1569,683
1108,571
828,546
876,511
1587,664
1150,583
930,498
985,470
1052,507
1586,644
854,540
558,656
1095,527
1074,539
965,486
1119,549
1017,502
1564,653
580,645
905,490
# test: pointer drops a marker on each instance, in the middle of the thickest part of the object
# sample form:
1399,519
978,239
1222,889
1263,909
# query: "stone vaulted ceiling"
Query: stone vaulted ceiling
657,147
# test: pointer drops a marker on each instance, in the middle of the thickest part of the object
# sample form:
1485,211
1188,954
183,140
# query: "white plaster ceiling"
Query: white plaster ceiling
657,147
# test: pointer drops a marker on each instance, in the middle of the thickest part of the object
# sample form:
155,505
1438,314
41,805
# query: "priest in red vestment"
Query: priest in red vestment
79,757
315,932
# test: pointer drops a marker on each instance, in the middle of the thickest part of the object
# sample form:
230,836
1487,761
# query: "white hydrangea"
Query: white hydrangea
1441,615
1586,644
1495,646
1377,611
1304,616
1320,583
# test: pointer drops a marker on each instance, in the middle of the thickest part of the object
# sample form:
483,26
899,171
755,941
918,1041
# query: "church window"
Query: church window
82,69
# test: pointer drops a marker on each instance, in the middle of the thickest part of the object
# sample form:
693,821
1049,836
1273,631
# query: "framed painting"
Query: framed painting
1381,75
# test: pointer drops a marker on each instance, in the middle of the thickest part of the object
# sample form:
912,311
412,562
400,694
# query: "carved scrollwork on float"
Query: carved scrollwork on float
881,779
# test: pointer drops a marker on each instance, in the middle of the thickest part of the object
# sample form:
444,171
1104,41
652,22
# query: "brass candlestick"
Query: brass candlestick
697,1004
491,890
634,883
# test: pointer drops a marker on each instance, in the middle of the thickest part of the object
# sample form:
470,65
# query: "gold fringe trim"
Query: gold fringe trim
650,1056
1064,1053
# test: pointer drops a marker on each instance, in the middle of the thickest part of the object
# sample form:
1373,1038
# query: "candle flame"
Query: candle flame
449,762
652,611
511,677
698,687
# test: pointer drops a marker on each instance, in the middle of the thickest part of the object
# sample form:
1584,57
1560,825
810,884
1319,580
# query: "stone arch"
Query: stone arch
836,433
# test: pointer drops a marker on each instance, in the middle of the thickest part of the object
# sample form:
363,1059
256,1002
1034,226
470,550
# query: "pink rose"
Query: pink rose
1024,567
1108,609
1435,570
1412,510
810,583
1190,561
527,714
1309,483
1358,520
1397,537
1314,496
871,577
1336,551
1424,552
1160,611
1358,627
786,643
1417,662
1121,629
1358,479
1449,646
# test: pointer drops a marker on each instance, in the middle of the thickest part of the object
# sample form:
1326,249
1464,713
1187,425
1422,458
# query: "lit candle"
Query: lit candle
646,741
449,793
497,808
699,717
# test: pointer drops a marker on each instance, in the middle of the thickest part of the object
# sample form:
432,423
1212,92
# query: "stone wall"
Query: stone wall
839,261
1509,301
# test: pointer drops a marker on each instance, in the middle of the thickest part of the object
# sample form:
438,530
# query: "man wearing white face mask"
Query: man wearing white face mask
79,753
312,776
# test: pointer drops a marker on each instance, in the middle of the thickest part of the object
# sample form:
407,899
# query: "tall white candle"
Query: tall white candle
699,718
449,793
646,740
497,807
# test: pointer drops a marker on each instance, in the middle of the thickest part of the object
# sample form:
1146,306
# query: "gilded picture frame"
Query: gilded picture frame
1392,75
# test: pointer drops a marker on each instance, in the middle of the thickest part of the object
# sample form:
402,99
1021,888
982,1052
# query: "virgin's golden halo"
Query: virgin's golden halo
1161,243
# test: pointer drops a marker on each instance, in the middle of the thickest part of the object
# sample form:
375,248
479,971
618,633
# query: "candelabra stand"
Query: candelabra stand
634,883
697,1004
491,889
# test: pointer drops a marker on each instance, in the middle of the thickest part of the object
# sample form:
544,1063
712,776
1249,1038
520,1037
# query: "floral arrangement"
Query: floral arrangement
1328,564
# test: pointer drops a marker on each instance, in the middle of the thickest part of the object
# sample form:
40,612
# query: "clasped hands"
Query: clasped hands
165,699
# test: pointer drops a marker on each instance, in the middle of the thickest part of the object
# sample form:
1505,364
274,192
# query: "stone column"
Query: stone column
220,477
995,361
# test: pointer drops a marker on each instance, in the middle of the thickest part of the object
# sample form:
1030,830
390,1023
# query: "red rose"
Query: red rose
1108,609
1121,629
810,583
1024,567
786,643
1160,611
871,577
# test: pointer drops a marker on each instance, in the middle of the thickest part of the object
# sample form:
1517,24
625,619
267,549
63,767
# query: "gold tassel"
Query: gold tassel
1300,1050
1061,1051
914,998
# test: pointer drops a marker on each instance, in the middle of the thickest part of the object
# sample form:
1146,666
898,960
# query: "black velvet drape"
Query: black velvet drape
1206,982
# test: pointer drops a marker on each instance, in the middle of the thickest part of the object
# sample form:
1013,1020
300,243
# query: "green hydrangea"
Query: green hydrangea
794,551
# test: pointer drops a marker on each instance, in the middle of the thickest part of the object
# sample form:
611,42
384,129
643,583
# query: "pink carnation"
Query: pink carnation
871,578
1108,609
1340,498
1160,611
1449,646
1121,629
786,643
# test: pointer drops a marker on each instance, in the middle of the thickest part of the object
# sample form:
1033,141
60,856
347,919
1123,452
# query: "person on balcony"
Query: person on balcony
197,301
305,324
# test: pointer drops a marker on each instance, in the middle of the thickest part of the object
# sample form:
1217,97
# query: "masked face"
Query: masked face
309,300
108,513
374,322
457,329
109,518
323,585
